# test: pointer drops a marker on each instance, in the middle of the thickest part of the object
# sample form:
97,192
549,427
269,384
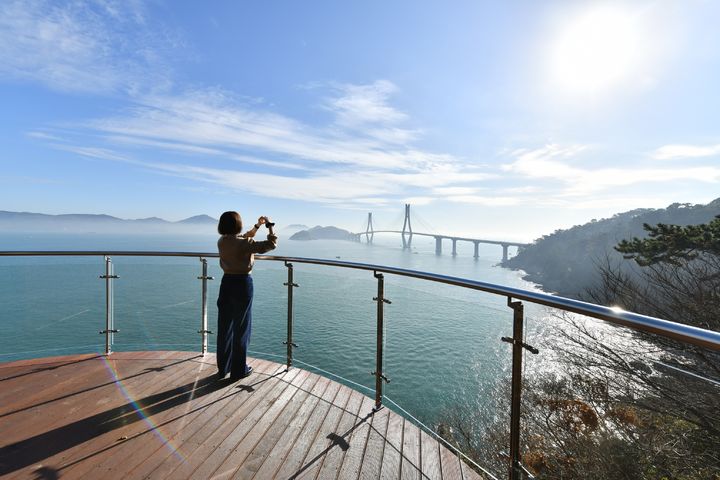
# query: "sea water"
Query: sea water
442,347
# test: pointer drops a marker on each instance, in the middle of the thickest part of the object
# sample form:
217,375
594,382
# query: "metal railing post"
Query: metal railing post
379,376
203,313
109,305
516,468
289,342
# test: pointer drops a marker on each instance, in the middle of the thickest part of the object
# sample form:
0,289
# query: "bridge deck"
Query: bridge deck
162,415
449,237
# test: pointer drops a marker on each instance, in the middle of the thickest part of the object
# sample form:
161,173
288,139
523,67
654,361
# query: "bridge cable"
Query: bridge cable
423,223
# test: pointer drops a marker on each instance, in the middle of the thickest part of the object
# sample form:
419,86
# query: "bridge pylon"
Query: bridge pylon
407,227
369,230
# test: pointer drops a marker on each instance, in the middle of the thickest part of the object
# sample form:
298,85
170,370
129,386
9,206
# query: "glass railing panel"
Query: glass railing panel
50,306
334,323
446,362
269,325
156,303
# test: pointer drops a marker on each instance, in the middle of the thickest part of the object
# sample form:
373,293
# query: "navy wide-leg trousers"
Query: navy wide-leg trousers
234,323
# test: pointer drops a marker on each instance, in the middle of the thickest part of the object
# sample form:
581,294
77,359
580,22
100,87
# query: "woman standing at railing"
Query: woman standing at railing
236,291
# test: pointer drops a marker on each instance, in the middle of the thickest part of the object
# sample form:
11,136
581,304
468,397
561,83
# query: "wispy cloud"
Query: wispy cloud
550,163
671,152
343,162
544,162
338,187
43,136
79,46
455,190
487,201
216,119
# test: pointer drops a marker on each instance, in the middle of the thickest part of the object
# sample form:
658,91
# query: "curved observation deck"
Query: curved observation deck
135,415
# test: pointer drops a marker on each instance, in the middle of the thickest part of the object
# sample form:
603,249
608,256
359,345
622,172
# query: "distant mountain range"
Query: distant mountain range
82,223
566,261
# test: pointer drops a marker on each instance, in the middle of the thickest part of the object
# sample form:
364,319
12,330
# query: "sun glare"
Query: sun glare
596,50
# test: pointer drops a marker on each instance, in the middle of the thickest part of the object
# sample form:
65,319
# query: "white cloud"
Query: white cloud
542,162
79,46
214,119
337,187
198,150
325,164
43,136
455,190
416,201
545,163
365,104
671,152
494,201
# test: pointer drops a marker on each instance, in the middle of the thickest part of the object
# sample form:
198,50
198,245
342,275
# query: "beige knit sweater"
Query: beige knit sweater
237,252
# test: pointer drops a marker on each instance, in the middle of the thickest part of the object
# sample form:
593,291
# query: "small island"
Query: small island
324,233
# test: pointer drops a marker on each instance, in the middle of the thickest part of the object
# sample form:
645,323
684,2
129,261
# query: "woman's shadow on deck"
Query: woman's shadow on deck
32,450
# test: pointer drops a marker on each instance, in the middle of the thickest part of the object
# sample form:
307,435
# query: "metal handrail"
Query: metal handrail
515,296
678,331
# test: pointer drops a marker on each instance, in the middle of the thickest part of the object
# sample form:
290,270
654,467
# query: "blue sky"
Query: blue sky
502,119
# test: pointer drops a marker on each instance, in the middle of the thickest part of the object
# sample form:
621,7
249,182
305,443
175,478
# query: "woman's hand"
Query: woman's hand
261,220
269,224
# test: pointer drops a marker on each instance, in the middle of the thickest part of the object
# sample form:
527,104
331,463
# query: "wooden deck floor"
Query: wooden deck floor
159,415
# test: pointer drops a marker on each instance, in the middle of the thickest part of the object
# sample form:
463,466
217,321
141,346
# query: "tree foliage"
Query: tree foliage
672,244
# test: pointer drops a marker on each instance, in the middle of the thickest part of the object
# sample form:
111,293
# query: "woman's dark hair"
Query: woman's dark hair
229,223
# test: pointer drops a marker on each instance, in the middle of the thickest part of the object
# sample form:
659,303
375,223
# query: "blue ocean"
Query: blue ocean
443,351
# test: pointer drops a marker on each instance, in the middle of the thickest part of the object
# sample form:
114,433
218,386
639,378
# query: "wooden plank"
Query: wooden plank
224,446
316,449
38,387
357,442
242,448
337,442
392,452
410,465
430,457
59,430
55,411
34,362
142,400
374,450
450,463
256,446
24,391
199,441
195,439
334,395
86,400
18,378
139,439
91,374
214,414
111,423
285,444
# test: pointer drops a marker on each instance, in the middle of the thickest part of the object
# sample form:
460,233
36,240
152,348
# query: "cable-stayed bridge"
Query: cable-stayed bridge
407,234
